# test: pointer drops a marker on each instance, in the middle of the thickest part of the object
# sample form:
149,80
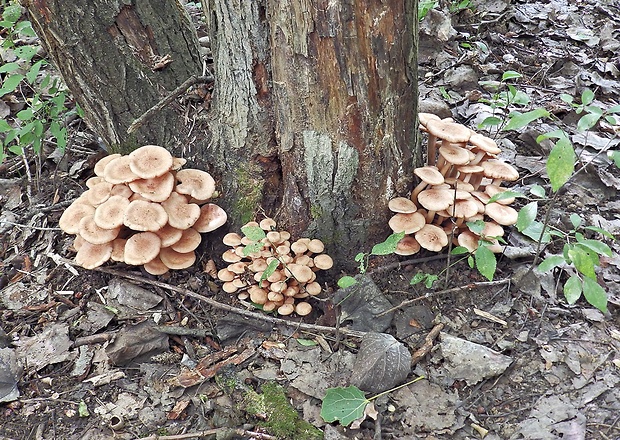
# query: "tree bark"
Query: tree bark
108,53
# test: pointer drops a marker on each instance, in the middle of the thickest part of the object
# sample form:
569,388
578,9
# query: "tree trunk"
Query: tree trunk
313,117
314,113
108,53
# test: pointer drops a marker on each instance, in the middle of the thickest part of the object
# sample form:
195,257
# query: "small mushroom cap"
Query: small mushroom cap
502,214
469,169
94,181
70,219
491,190
468,240
484,143
118,250
425,117
315,246
454,154
498,169
435,199
169,235
267,224
142,248
449,131
403,204
99,193
303,308
432,238
258,295
429,174
93,255
492,229
122,190
101,163
407,223
118,171
176,260
225,275
156,189
313,288
196,183
301,273
110,214
323,261
150,161
189,241
299,247
211,217
286,309
407,246
463,209
181,214
94,234
156,267
141,215
232,239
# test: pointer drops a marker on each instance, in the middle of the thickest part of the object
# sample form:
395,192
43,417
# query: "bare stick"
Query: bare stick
37,228
199,434
192,80
426,347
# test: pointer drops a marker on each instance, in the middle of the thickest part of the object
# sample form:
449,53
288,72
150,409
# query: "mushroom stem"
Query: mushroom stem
417,190
431,150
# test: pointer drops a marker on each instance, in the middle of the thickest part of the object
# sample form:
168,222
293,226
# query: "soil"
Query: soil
513,359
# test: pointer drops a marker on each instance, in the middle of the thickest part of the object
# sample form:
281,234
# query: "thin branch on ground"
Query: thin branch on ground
426,347
37,228
219,305
192,80
466,287
222,431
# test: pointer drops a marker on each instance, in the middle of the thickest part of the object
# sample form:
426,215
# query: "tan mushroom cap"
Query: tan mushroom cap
267,224
468,240
403,205
189,241
429,174
196,183
141,215
177,163
211,217
303,308
463,209
299,247
258,295
407,223
181,214
101,163
502,214
232,239
93,255
156,267
492,190
169,235
118,171
286,309
315,246
499,170
436,199
301,273
110,214
176,260
94,234
156,189
449,131
432,238
425,117
454,154
70,219
118,250
142,248
484,143
323,261
150,161
122,190
99,193
407,245
492,229
94,181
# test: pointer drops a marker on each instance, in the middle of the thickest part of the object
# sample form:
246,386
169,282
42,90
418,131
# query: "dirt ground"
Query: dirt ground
83,354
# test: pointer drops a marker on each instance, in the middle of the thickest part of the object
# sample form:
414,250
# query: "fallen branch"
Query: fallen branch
426,347
223,432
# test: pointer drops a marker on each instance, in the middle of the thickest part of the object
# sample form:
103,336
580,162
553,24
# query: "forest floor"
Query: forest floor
513,360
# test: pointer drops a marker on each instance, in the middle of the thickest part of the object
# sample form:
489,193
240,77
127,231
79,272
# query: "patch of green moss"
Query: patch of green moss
249,197
316,211
282,419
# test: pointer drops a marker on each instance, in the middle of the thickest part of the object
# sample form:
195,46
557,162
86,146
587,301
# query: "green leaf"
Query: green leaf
587,96
389,245
583,261
510,74
614,109
615,156
566,98
83,409
520,120
25,114
254,233
575,220
476,227
535,232
459,250
490,121
430,280
572,289
550,263
596,246
26,52
10,84
611,120
595,294
24,29
252,248
486,262
343,404
306,342
538,191
555,134
270,269
346,281
561,163
588,121
4,126
12,13
31,76
527,215
590,228
9,67
427,278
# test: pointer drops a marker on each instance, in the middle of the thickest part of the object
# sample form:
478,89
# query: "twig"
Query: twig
29,181
426,347
442,292
93,339
192,80
223,431
398,264
221,306
38,228
183,331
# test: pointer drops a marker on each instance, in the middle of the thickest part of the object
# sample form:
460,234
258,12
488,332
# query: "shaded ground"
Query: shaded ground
563,362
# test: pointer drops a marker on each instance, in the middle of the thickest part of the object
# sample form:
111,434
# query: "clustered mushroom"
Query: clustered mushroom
461,175
294,276
142,209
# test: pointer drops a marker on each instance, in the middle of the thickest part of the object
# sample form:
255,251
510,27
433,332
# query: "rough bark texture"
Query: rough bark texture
313,117
107,52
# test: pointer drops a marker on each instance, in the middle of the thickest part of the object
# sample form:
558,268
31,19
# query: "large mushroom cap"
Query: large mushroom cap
156,189
407,223
429,174
402,204
181,214
70,219
432,238
211,217
118,171
141,248
436,199
484,143
90,255
150,161
94,234
502,214
497,169
176,260
449,131
110,214
189,241
141,215
454,154
196,183
101,164
407,246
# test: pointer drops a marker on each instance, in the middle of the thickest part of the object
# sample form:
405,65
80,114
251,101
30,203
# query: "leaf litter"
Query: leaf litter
551,372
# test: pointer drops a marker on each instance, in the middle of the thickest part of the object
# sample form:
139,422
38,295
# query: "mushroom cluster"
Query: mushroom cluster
462,174
142,209
273,271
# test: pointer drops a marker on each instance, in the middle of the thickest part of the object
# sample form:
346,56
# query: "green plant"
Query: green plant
44,101
457,6
424,6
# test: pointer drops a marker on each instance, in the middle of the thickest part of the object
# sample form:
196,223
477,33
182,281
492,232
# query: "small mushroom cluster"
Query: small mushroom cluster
142,209
294,276
461,175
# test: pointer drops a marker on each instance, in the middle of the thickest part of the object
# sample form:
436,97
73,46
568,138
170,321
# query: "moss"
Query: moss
282,419
316,211
249,196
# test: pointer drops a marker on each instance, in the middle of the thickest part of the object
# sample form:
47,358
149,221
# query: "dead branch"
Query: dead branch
426,347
